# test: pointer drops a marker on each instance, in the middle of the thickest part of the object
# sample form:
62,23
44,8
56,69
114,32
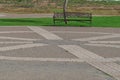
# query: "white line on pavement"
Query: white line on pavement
103,45
106,42
40,59
16,32
47,34
54,59
98,37
20,47
14,38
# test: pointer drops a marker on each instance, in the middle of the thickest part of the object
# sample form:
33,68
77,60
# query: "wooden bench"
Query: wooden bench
73,16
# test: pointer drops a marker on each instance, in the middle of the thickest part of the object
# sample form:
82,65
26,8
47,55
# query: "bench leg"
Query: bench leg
90,23
54,21
65,21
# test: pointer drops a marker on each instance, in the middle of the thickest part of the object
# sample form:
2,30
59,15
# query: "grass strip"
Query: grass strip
98,21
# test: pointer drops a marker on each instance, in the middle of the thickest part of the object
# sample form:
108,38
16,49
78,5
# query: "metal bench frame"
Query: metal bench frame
73,16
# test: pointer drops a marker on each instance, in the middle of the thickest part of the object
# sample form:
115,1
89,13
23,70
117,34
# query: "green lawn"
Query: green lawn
99,21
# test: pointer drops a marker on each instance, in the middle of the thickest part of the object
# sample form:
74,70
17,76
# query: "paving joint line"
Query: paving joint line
21,46
105,42
102,45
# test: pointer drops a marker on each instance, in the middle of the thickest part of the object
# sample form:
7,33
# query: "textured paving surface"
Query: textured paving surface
12,15
62,53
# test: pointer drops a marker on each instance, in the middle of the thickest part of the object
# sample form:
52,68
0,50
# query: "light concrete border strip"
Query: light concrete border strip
89,57
110,68
106,42
20,47
40,59
98,37
14,38
81,53
80,32
103,45
16,32
48,35
114,59
46,59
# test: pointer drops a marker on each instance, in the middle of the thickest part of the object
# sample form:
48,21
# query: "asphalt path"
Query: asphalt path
33,15
14,15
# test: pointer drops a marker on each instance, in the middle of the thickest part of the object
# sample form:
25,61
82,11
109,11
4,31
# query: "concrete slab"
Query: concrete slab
84,29
22,35
118,62
13,44
111,39
107,52
12,40
40,52
12,70
14,28
76,35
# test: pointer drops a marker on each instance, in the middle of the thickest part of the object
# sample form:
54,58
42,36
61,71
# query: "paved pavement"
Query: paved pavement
14,15
59,53
33,15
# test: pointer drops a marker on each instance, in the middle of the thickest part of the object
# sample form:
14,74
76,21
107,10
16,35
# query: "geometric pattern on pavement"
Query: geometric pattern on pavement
74,46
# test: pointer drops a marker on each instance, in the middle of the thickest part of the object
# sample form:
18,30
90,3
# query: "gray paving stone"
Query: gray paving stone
17,70
76,35
83,29
118,62
107,52
13,44
43,52
111,39
58,42
15,28
23,35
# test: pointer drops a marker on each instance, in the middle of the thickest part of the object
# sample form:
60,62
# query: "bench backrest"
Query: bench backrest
73,15
78,15
58,15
